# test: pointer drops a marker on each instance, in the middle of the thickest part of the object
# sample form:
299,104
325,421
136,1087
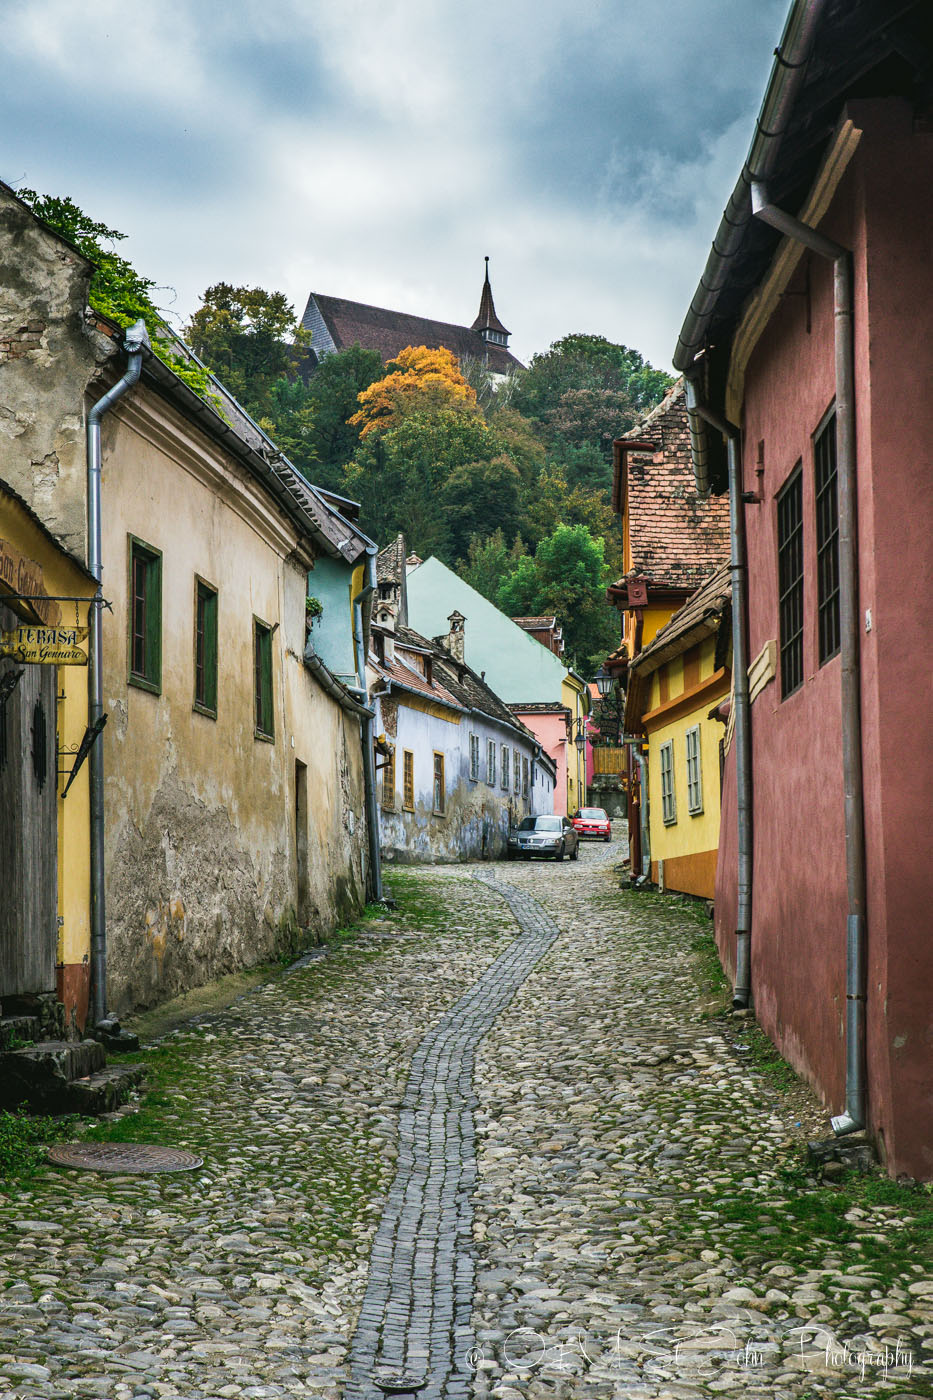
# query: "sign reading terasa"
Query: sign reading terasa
49,646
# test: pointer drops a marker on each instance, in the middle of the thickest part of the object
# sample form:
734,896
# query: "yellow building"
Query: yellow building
44,914
674,684
575,696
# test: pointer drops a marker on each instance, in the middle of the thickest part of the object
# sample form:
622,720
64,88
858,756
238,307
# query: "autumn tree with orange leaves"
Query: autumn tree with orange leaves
419,380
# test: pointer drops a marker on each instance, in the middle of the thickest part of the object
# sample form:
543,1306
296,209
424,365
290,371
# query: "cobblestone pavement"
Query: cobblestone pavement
616,1159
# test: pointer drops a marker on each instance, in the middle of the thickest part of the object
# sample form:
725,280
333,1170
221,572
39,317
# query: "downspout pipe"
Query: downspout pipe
366,726
136,340
738,568
854,1117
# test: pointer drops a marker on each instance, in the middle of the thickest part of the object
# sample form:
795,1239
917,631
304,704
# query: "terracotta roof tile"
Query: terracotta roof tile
676,537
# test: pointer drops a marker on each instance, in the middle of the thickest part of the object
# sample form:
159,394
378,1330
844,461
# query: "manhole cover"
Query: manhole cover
123,1157
392,1382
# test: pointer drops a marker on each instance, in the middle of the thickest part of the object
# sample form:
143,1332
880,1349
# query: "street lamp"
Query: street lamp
604,682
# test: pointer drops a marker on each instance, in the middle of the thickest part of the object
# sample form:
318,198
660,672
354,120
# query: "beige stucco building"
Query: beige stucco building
234,811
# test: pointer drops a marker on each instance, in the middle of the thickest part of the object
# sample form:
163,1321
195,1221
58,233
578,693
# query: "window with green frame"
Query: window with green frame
205,648
262,679
145,616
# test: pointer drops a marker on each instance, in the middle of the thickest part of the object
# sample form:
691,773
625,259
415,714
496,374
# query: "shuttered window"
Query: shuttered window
694,774
491,762
474,758
504,767
408,780
145,616
440,788
388,782
668,800
262,679
205,649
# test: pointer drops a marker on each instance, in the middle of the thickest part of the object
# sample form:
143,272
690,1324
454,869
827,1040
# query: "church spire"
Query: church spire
487,322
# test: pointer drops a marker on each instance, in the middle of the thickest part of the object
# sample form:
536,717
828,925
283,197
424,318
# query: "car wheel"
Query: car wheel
607,838
559,855
575,853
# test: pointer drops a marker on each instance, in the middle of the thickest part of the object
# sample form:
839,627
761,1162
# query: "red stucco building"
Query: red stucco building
814,357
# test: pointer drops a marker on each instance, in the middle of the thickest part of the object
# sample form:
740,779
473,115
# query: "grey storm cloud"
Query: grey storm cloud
379,150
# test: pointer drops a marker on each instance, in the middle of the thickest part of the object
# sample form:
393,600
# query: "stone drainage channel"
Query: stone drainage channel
414,1334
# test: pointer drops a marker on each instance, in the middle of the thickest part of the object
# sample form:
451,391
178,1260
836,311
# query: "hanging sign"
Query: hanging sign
45,646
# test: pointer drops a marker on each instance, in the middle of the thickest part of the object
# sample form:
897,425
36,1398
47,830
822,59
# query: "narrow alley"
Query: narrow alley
501,1143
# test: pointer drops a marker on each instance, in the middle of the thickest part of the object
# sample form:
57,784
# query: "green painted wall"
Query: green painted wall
518,668
332,633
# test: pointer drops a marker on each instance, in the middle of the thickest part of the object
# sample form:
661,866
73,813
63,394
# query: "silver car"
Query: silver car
543,836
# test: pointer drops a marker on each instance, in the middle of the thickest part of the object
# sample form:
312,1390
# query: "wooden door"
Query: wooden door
28,828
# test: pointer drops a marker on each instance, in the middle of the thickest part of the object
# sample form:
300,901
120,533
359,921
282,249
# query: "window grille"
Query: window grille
491,762
388,782
504,767
827,540
790,583
474,758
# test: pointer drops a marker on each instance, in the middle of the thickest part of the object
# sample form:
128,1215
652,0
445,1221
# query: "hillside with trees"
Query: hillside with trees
507,482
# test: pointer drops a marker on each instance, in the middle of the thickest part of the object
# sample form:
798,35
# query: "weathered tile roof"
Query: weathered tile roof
389,332
396,671
676,538
390,562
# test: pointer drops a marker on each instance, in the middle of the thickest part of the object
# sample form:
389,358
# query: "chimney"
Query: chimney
384,615
454,642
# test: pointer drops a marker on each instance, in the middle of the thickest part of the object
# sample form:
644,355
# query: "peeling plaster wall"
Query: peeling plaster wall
201,814
475,823
48,356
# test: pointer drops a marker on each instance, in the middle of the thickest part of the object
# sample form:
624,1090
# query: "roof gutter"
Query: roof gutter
787,75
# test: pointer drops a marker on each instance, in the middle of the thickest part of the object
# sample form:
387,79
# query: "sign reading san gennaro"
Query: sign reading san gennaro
46,646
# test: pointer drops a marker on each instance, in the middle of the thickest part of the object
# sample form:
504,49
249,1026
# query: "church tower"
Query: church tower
487,322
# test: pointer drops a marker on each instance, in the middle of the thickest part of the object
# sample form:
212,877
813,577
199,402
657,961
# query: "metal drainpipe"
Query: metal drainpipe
136,339
366,727
742,990
856,934
643,824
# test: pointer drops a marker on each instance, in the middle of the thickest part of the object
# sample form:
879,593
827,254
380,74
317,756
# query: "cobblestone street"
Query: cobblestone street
500,1142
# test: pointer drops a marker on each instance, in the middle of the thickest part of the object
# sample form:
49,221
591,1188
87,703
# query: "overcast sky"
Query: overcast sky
377,149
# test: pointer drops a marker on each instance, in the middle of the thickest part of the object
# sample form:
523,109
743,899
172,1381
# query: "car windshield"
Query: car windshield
539,824
593,813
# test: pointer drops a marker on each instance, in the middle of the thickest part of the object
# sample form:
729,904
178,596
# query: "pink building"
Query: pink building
549,724
815,354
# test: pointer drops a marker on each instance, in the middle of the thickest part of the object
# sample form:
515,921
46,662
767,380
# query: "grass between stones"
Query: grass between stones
23,1140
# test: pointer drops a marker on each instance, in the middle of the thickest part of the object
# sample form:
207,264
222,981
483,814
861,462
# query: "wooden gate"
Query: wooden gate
28,827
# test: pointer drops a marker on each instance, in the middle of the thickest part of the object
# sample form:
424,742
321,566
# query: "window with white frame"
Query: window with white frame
504,767
474,758
694,774
668,801
491,762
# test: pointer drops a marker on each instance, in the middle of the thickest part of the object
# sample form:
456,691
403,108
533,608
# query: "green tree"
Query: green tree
588,389
398,474
250,338
477,493
567,577
333,392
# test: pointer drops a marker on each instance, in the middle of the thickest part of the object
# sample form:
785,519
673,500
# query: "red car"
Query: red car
592,821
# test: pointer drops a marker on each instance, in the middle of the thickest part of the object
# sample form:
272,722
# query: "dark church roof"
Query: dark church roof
336,324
